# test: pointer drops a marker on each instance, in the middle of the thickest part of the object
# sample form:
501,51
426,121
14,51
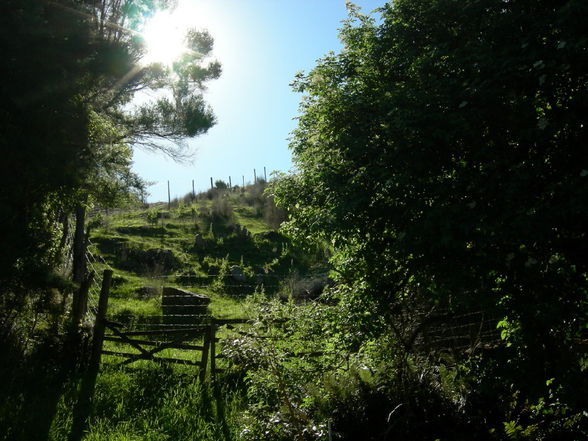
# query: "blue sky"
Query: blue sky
261,44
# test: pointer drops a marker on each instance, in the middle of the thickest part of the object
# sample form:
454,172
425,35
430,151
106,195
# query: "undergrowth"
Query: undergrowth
154,403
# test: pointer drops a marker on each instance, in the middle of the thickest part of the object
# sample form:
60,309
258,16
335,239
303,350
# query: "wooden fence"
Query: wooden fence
150,343
432,331
175,332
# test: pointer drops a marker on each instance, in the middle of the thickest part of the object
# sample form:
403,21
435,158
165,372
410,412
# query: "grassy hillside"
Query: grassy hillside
220,243
194,244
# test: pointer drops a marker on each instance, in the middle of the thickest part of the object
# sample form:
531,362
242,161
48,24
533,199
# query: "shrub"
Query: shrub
313,374
220,184
273,215
153,260
304,288
222,210
152,216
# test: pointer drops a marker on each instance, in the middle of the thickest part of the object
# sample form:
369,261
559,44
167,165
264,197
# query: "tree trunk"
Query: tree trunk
79,246
79,271
64,219
80,277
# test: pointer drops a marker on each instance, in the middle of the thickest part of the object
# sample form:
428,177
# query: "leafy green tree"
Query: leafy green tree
161,124
179,111
71,71
442,153
44,131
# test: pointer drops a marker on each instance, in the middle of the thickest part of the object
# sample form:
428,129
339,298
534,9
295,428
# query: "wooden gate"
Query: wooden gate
177,329
151,343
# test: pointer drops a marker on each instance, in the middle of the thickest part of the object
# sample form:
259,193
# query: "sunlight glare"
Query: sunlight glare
164,33
164,38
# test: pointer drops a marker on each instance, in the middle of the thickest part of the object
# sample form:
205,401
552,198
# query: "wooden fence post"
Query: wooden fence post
80,301
213,349
99,327
82,409
79,244
205,349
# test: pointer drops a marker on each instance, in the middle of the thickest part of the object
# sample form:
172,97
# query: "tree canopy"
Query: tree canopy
71,69
442,152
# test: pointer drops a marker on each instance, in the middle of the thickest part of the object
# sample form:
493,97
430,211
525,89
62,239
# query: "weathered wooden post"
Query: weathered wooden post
82,409
80,244
193,192
204,360
213,348
168,197
264,174
100,325
230,184
243,176
80,301
254,177
211,186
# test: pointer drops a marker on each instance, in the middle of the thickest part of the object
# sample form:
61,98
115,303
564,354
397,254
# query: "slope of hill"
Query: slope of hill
222,243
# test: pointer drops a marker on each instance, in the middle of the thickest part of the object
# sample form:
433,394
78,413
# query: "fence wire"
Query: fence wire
461,331
96,286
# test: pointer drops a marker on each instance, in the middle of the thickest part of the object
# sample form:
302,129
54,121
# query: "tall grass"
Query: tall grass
153,402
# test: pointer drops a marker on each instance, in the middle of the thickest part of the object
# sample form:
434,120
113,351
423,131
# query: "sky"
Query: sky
261,45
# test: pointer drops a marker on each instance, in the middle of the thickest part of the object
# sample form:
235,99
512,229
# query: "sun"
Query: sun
164,36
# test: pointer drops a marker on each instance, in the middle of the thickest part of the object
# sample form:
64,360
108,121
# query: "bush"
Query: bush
313,374
222,210
304,288
272,214
220,184
153,260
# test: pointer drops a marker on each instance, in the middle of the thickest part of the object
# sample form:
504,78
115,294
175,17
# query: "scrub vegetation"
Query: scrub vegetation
421,274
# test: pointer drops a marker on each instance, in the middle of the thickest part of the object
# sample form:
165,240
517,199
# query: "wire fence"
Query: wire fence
442,330
458,331
94,263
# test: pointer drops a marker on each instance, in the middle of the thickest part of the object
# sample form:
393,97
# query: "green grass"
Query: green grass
147,400
119,236
246,216
152,402
138,308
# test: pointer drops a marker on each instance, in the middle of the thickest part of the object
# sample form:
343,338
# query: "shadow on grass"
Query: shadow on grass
41,401
30,394
154,401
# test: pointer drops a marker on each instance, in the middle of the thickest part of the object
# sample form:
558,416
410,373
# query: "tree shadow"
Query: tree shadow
29,396
221,413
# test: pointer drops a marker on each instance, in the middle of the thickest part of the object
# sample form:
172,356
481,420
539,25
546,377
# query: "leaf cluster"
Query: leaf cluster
441,153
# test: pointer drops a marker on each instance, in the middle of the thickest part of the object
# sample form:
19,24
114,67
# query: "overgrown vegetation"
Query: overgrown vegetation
197,243
72,70
219,241
429,281
154,403
441,152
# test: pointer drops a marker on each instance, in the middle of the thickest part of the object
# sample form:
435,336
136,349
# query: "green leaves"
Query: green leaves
71,71
441,153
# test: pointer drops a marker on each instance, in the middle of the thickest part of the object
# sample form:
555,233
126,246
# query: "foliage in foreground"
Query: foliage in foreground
442,153
312,375
152,402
